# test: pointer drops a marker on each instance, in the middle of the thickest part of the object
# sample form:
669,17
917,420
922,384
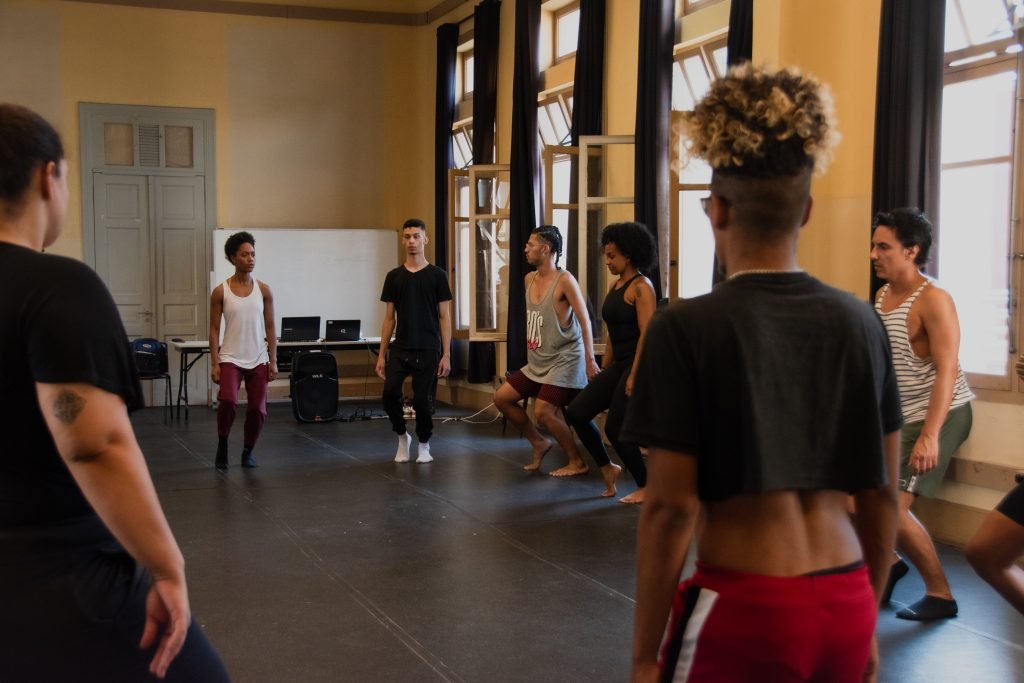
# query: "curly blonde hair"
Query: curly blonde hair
759,122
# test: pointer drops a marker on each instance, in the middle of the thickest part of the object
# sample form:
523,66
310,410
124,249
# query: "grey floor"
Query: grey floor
332,563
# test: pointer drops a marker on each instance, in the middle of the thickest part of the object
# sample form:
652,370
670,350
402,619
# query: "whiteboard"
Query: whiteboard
335,274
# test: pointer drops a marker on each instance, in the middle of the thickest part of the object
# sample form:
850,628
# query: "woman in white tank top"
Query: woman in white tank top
247,350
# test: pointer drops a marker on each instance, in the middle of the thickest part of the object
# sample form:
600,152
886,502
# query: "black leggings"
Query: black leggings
422,365
607,391
74,610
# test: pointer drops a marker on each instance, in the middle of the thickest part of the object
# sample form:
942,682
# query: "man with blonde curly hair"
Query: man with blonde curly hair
765,404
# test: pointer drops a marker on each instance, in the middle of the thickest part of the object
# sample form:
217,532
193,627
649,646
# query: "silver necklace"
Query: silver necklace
763,271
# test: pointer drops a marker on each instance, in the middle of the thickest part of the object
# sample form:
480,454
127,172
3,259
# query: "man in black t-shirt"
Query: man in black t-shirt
765,403
417,294
92,581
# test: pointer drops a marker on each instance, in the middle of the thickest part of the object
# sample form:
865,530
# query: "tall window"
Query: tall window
459,209
554,110
567,31
466,58
976,259
462,141
691,240
554,119
458,238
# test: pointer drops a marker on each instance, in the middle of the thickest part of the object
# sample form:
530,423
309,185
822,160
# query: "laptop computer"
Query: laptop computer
300,329
342,330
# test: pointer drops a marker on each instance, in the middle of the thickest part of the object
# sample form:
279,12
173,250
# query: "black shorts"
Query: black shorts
553,394
1013,504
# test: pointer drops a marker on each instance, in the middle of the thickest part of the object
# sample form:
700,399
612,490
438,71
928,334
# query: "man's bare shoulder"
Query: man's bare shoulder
566,282
935,299
935,309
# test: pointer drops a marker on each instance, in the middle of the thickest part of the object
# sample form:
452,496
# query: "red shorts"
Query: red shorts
731,626
527,388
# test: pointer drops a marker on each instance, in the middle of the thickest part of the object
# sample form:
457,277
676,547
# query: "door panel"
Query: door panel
151,251
182,280
123,258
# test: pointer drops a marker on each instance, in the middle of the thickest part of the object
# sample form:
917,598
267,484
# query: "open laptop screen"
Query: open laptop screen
342,330
302,328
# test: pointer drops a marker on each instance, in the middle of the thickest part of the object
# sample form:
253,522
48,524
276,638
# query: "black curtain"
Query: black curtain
444,117
908,108
523,172
739,48
653,104
486,31
740,44
587,119
486,27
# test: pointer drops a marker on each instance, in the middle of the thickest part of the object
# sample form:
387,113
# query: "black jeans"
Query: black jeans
607,391
422,365
75,607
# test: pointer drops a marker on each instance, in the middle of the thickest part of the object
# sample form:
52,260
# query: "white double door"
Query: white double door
151,245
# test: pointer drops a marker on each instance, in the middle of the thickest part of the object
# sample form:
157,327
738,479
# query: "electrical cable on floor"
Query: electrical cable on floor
362,412
470,420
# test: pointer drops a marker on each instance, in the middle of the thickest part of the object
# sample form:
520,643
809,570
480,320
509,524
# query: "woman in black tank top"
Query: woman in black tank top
628,250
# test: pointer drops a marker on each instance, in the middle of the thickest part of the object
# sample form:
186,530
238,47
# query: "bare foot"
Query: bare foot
571,470
634,498
539,451
610,473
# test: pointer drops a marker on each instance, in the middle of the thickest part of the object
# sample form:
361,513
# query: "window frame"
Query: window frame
691,6
560,96
501,172
455,252
984,60
467,74
704,48
594,146
555,16
463,128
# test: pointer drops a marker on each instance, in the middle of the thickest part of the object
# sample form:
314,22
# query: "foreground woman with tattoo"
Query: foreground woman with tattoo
91,578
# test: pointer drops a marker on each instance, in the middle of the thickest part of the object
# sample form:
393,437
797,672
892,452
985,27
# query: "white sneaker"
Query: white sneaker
402,454
424,453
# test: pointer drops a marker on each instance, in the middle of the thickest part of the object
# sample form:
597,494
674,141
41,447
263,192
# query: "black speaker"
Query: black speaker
314,386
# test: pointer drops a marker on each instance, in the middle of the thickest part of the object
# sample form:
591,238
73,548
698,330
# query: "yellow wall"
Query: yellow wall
698,25
843,53
622,23
318,124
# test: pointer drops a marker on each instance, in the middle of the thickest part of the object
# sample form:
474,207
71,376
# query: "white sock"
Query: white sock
402,454
424,453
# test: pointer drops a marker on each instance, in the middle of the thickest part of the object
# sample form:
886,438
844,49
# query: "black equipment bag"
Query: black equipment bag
314,386
150,356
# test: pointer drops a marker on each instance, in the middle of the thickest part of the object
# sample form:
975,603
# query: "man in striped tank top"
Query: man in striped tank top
924,332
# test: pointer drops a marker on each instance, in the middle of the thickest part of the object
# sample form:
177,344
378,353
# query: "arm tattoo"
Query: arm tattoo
68,406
